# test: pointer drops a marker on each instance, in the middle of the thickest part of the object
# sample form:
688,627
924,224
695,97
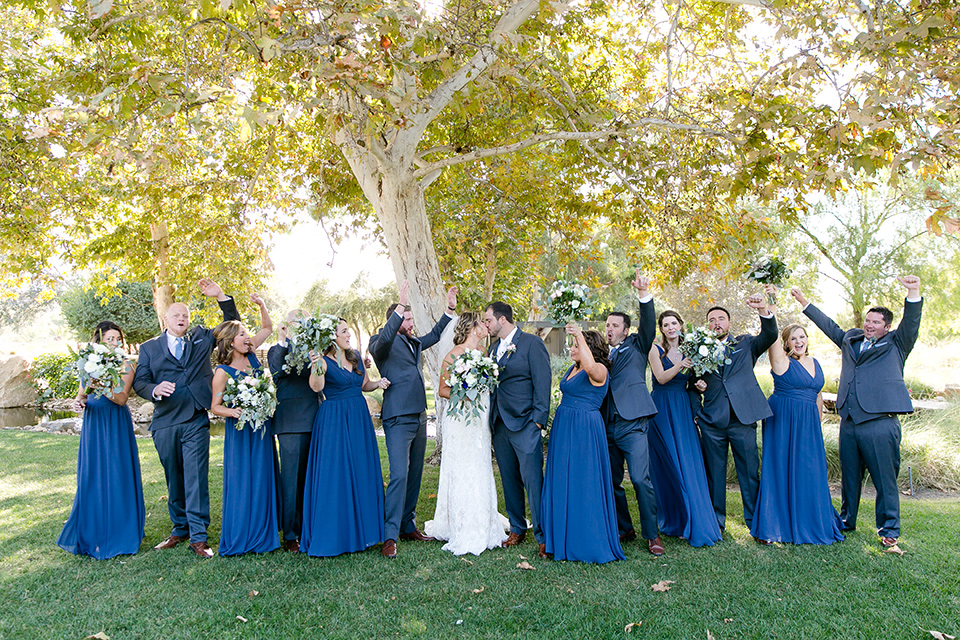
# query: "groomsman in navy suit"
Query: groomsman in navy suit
397,354
733,403
297,406
628,410
173,372
870,396
519,409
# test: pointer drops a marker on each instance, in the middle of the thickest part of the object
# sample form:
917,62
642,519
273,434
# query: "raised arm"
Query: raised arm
596,371
318,371
779,361
819,318
380,344
266,325
909,328
433,337
768,326
228,307
647,324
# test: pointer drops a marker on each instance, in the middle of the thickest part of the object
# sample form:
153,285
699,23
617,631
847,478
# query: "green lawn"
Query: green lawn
735,590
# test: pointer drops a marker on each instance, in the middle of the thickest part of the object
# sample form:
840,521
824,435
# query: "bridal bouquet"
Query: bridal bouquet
768,270
310,334
568,302
471,373
707,352
256,397
100,369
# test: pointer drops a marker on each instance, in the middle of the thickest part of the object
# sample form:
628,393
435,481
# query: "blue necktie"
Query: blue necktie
178,349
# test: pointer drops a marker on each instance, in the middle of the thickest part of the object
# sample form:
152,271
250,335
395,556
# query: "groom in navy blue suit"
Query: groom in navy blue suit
733,403
173,372
628,410
870,396
397,353
519,408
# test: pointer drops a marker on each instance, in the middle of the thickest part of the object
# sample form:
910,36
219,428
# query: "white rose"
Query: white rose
703,350
575,304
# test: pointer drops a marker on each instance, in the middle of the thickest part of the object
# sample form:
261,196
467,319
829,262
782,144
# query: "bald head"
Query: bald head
296,314
177,319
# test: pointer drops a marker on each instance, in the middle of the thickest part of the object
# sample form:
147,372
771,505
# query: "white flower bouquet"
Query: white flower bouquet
471,373
310,334
707,352
568,302
256,397
100,369
768,270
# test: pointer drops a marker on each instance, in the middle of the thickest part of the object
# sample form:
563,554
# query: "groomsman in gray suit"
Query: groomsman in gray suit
733,403
628,410
173,372
871,395
519,409
397,354
297,406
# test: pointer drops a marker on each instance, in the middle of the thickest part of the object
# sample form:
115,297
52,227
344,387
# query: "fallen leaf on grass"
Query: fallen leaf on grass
894,549
254,593
431,495
939,635
523,557
241,619
162,499
728,620
629,627
710,635
663,585
525,566
569,590
480,590
469,562
102,636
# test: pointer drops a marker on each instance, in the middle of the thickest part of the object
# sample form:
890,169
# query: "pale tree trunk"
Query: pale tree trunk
162,289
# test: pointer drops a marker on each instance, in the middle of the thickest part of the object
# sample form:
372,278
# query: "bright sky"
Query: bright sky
305,255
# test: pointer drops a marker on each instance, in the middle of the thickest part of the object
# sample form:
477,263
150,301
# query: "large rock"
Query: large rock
144,413
16,386
374,408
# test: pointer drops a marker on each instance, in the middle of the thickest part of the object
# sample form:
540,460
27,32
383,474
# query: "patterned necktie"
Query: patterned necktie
178,349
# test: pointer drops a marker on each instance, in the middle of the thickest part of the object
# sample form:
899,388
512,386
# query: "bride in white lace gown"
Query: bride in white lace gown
466,516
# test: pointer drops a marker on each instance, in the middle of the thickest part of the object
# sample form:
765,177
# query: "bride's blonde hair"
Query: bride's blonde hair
465,324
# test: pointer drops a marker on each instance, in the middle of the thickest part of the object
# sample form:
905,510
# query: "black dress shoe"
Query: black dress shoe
293,546
629,536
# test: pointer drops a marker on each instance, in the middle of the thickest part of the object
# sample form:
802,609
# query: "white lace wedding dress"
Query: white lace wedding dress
467,516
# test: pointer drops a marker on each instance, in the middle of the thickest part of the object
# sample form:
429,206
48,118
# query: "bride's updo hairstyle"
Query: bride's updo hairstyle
467,322
598,347
224,335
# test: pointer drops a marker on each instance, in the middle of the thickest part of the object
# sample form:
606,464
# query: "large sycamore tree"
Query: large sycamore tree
670,114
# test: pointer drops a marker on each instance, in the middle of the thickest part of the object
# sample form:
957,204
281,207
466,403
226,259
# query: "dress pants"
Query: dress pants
184,451
520,460
627,441
406,438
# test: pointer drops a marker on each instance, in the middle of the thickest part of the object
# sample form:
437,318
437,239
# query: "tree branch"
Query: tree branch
566,135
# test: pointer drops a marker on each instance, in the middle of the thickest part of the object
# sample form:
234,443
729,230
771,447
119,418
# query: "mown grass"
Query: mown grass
735,590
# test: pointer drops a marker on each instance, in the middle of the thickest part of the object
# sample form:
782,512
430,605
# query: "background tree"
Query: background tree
84,307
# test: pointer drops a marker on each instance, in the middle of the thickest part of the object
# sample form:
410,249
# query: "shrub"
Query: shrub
54,376
133,310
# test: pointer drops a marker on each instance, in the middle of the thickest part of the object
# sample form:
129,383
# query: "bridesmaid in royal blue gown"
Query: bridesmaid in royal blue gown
250,468
343,495
108,513
684,508
577,512
794,503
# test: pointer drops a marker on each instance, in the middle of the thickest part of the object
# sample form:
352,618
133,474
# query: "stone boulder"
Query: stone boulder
144,413
66,426
16,385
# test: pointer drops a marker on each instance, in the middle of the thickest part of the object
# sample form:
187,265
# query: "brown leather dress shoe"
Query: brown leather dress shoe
415,535
655,546
293,546
202,549
514,539
170,542
542,551
389,549
888,542
761,541
629,536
